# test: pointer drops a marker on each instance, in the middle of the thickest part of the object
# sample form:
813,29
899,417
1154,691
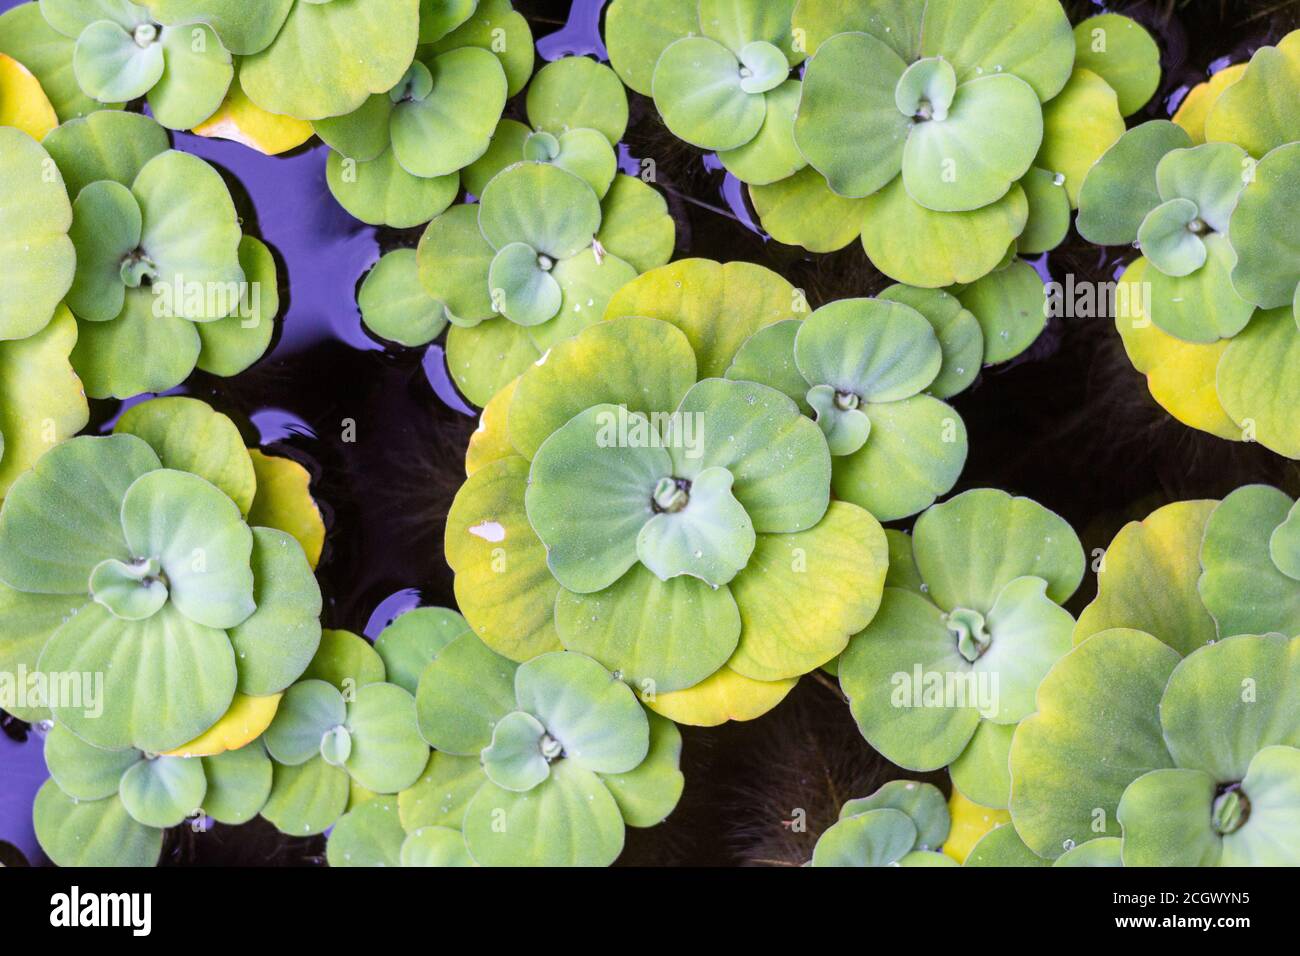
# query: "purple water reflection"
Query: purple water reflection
579,36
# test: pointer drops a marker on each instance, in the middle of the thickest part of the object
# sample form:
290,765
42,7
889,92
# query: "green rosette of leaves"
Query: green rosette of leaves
164,571
628,502
941,133
165,280
41,398
1211,200
904,823
308,59
396,159
110,807
534,261
970,623
1193,762
861,368
538,764
119,53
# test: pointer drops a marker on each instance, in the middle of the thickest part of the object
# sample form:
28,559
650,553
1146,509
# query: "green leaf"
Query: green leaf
514,760
1259,111
1284,546
368,835
64,517
972,546
1011,308
710,538
413,640
1169,239
1228,700
1203,306
1123,54
896,22
363,134
778,458
636,225
345,660
166,679
920,247
245,28
1120,189
874,838
132,592
660,635
40,396
112,67
961,337
106,228
346,51
1167,820
496,26
512,209
198,536
239,781
452,720
972,156
873,350
717,306
1266,273
982,773
849,126
772,155
802,211
504,586
436,846
846,429
1097,729
522,285
570,820
803,594
587,283
576,92
1268,838
1002,846
163,791
593,714
1257,382
199,71
306,799
388,753
92,833
308,710
1049,212
649,792
1079,126
767,358
1030,39
1103,851
1029,633
914,454
82,771
381,193
1241,584
395,306
638,31
454,259
136,353
34,220
1211,175
26,36
451,127
276,643
108,145
441,794
188,435
232,344
700,93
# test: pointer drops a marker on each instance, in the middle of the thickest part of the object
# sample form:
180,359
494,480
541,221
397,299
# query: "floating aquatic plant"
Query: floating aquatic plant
904,823
1210,199
158,548
941,133
396,157
970,622
707,499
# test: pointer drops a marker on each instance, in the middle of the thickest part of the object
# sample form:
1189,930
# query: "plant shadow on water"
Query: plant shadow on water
1070,424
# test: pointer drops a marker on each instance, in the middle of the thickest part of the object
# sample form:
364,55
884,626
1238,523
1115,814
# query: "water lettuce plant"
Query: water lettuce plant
860,368
119,54
904,823
154,558
567,756
534,261
110,807
1210,199
940,133
969,623
395,158
705,498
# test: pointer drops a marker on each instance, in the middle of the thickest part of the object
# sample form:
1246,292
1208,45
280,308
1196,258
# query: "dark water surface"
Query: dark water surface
1069,424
